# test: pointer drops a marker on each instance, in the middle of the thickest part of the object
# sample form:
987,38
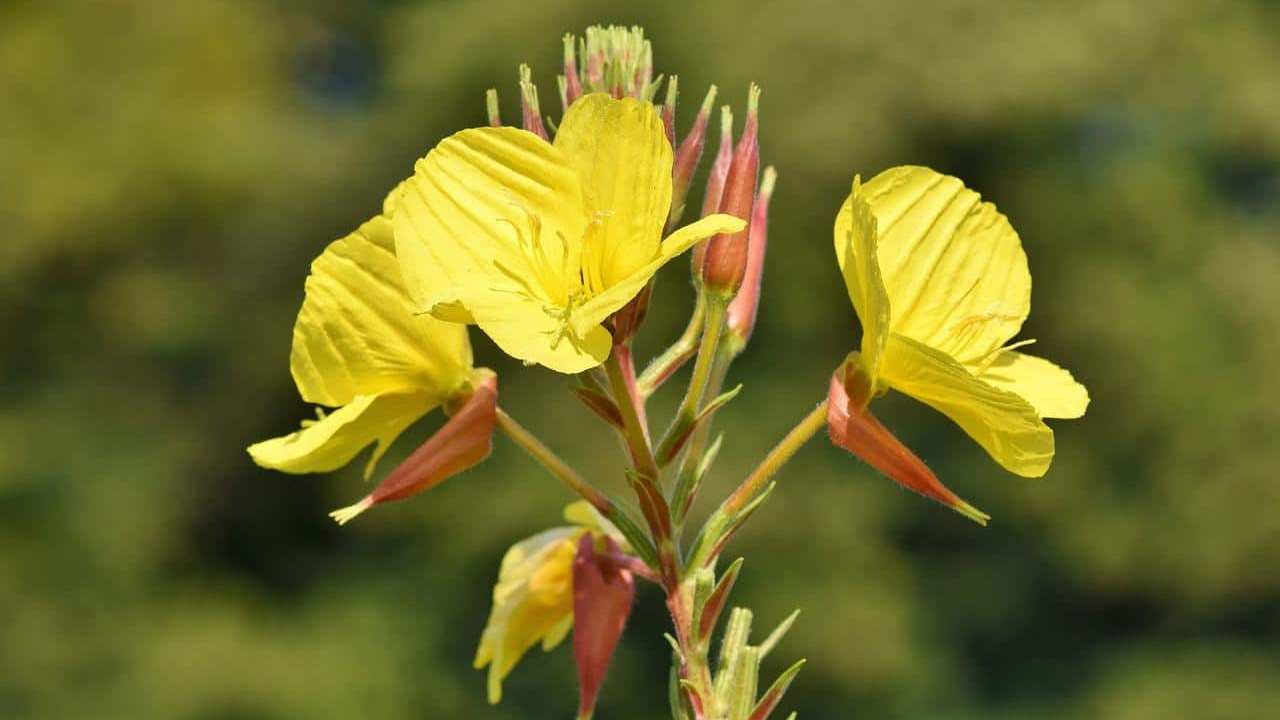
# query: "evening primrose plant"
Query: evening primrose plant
546,237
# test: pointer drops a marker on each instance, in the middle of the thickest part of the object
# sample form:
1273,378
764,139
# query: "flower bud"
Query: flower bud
530,112
627,320
603,591
687,158
725,263
715,183
852,427
572,84
669,109
741,317
491,107
463,442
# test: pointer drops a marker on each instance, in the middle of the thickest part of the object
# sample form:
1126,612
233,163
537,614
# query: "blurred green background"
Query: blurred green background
171,168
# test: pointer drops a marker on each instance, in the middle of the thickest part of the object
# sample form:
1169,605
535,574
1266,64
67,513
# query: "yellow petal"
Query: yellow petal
856,252
532,602
536,333
490,211
604,304
621,153
1003,423
1049,388
356,333
330,443
953,267
583,514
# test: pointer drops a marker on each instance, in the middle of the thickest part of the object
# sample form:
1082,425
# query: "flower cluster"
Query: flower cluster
546,237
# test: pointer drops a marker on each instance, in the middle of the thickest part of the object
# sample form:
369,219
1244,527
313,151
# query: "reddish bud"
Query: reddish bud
627,320
741,317
603,591
687,159
715,182
852,426
725,262
461,444
531,113
572,84
669,109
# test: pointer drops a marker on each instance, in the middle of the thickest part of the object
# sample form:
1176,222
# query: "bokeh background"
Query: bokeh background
169,170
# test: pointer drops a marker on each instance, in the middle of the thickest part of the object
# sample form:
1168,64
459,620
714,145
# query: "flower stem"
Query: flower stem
712,328
625,395
688,478
552,462
673,358
804,431
653,504
727,518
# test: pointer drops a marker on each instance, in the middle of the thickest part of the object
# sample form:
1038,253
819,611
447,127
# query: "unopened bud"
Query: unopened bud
852,427
531,113
461,444
628,319
715,183
725,263
687,159
644,72
741,317
603,591
669,109
491,107
572,84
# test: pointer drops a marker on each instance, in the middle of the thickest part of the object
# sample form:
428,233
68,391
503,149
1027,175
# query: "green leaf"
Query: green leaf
774,694
776,636
709,613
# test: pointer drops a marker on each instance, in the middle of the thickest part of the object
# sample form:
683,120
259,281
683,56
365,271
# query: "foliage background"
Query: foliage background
171,168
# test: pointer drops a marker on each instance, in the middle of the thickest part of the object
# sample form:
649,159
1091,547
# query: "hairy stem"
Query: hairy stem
552,462
809,426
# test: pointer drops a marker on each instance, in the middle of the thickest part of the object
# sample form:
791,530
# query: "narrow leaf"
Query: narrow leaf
600,404
776,636
715,604
636,538
675,441
774,694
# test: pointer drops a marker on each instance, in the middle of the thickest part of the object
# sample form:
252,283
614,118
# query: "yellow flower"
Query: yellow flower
539,243
533,598
358,346
940,284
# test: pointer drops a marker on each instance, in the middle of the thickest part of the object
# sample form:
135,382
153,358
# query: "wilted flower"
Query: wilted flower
533,600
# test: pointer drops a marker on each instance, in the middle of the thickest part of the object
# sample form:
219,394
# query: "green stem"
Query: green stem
552,462
804,431
687,480
722,523
636,434
673,358
634,431
713,327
